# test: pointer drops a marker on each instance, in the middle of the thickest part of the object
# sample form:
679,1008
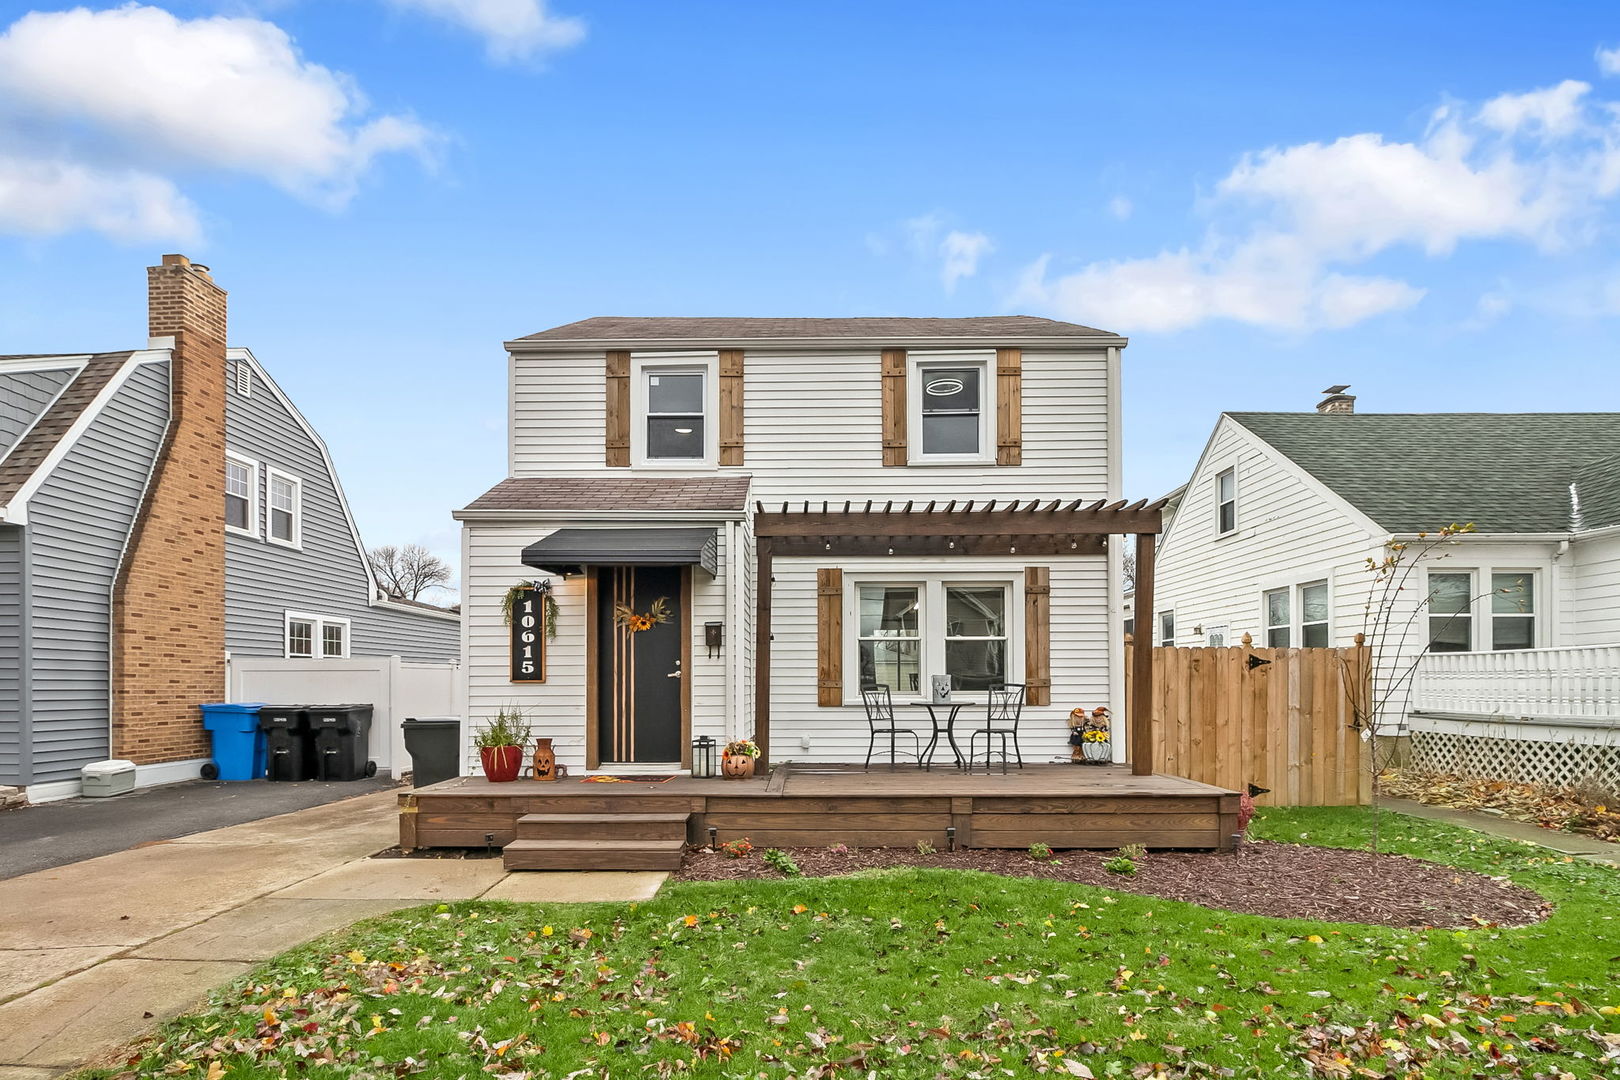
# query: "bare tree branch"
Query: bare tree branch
408,571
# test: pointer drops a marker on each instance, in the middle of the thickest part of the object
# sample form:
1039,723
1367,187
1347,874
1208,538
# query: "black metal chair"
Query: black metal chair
1004,705
880,721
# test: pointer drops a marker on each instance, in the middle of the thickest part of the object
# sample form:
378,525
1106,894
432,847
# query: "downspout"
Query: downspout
25,669
1116,566
734,572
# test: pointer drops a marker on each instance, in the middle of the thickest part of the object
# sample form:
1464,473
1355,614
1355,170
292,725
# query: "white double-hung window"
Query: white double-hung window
285,521
1465,616
1297,615
952,408
908,631
241,495
1226,502
674,400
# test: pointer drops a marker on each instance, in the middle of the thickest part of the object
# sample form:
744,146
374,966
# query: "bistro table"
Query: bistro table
949,729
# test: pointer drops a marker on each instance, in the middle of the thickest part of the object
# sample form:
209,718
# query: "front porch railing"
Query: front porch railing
1576,685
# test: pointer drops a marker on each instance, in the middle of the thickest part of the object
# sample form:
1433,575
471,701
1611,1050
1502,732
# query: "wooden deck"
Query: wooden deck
1065,806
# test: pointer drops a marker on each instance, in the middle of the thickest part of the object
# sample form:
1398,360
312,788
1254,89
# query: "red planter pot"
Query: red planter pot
501,763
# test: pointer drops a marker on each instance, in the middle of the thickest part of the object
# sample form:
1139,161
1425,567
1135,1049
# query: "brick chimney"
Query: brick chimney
1337,401
169,598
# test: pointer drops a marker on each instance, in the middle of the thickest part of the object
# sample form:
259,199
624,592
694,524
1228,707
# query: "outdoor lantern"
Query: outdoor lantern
703,756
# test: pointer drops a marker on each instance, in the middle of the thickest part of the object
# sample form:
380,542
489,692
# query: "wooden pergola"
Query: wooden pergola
957,527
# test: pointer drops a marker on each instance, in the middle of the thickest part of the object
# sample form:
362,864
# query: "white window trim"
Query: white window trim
252,529
1290,593
318,624
919,362
931,595
1296,608
1299,611
271,475
1484,625
675,363
1157,636
1220,532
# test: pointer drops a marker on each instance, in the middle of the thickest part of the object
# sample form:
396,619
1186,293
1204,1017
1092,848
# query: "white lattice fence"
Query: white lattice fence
1553,763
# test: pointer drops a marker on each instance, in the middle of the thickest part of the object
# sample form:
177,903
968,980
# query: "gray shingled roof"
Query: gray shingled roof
36,445
1596,493
718,331
616,493
1505,472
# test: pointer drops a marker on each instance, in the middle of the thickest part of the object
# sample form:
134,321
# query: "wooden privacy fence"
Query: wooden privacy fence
1279,718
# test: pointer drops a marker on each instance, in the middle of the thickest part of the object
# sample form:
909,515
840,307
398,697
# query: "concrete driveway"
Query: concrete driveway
95,953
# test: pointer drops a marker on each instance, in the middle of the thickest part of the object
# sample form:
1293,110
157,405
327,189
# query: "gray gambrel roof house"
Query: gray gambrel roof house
1505,472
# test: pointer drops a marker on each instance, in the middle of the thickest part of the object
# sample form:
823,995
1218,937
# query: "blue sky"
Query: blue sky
1267,198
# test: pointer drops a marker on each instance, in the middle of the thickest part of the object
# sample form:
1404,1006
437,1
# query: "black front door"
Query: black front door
639,670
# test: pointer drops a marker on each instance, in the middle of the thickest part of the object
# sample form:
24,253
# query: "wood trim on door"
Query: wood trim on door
593,724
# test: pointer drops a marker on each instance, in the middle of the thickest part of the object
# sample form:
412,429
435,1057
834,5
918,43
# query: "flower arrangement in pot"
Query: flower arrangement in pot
1089,735
737,760
501,743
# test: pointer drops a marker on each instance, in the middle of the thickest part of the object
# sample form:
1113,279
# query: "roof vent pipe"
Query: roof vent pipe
1337,401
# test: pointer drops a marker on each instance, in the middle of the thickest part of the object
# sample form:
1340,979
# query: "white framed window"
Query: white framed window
241,495
284,522
1167,628
962,625
1451,611
1226,502
1513,610
1279,621
244,378
1314,616
951,412
674,401
316,637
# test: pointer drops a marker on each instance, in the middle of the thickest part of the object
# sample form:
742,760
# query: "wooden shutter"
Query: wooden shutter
618,409
894,407
731,406
1009,406
1038,635
829,636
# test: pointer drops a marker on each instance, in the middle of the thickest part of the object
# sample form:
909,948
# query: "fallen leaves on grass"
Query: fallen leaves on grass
1590,813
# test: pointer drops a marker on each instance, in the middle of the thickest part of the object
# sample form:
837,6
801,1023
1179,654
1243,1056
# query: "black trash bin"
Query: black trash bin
289,743
434,743
342,734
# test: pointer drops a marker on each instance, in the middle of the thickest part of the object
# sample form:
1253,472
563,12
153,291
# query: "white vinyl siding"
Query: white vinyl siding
1594,604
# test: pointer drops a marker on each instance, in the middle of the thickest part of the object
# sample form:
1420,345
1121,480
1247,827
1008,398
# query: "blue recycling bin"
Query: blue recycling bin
238,742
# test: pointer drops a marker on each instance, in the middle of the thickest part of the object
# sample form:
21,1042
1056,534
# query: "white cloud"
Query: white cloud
44,197
169,95
511,29
1288,222
1120,207
960,253
1608,60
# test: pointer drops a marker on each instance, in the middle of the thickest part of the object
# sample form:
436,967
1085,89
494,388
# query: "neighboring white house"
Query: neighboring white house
641,450
1274,532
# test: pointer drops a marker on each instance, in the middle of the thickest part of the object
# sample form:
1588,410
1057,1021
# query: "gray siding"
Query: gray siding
78,522
11,722
23,396
326,576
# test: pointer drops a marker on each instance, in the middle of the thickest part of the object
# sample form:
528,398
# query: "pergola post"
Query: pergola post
1141,718
762,649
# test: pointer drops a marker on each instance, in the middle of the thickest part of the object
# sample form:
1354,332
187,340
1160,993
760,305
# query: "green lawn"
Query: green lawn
938,973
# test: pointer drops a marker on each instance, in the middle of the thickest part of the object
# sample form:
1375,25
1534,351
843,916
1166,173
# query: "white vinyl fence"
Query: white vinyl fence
1541,716
394,688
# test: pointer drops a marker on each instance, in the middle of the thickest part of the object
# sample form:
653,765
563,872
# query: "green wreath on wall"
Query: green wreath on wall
509,601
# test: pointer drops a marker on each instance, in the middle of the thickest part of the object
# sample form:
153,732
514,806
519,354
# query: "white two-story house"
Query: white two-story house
665,472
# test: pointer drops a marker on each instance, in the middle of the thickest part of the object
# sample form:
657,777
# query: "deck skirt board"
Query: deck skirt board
1064,806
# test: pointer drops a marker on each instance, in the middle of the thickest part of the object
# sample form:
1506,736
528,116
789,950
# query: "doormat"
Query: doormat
604,778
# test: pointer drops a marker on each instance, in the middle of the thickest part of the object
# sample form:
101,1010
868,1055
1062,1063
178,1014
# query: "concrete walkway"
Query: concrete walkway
1581,847
94,954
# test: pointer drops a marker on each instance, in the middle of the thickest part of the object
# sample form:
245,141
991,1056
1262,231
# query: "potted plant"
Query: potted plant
737,760
500,744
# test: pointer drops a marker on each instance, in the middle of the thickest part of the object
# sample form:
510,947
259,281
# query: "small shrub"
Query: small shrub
1133,851
838,849
739,848
781,862
1040,852
1119,864
924,848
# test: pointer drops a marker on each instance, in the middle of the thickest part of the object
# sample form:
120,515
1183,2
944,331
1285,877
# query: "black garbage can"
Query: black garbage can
434,743
289,744
342,734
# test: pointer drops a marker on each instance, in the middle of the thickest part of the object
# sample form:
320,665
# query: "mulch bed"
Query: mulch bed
1289,881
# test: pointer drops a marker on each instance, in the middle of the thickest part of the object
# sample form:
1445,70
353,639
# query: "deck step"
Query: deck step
602,826
593,854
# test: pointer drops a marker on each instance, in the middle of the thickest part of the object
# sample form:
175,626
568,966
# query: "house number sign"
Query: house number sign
528,636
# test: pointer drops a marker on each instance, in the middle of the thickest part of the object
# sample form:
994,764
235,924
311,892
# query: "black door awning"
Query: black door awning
569,551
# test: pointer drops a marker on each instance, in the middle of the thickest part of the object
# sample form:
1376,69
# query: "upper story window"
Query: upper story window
951,409
1226,501
286,518
674,403
241,495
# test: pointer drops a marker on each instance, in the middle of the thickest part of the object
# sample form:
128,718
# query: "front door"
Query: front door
640,630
